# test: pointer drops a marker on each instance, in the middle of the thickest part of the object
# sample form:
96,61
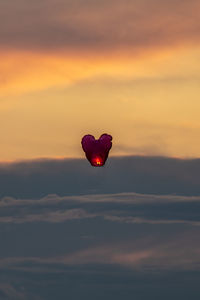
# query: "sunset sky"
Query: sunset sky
129,68
129,230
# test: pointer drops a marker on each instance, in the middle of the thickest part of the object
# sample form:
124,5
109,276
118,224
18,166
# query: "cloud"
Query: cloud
122,229
93,238
54,217
88,26
137,220
141,254
7,291
128,208
143,175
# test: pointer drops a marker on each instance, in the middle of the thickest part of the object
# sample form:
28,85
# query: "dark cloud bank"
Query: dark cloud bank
129,230
148,175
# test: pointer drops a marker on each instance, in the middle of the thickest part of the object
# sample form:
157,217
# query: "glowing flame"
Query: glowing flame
98,161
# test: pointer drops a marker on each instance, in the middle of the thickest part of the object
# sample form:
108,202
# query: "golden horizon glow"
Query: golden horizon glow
149,103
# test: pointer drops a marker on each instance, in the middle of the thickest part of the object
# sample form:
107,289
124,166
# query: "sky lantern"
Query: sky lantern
97,151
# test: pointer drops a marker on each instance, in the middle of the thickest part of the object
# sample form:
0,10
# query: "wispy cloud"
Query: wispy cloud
124,208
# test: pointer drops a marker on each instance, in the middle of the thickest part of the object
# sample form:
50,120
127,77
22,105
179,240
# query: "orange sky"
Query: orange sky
134,78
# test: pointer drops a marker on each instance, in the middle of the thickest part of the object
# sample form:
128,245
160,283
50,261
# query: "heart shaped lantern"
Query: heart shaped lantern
97,151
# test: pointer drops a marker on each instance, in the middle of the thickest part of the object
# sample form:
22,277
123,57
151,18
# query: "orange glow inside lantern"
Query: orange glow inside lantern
97,161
